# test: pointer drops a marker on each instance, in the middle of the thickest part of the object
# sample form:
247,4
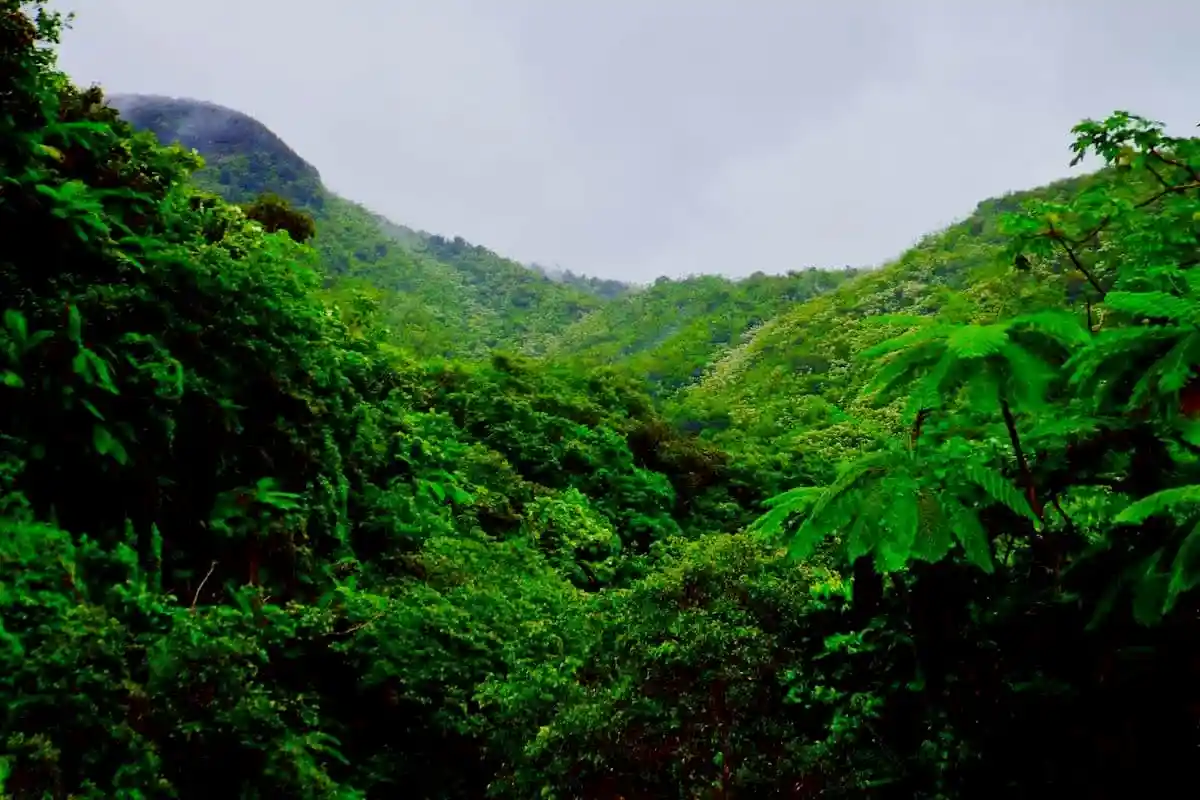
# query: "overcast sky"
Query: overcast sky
638,138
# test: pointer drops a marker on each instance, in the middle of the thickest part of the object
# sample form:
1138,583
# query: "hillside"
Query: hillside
441,296
446,296
669,332
793,380
938,538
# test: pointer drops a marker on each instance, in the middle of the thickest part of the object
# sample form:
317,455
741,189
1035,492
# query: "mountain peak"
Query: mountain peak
223,135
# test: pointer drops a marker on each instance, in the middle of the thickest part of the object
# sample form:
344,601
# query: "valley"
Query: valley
298,501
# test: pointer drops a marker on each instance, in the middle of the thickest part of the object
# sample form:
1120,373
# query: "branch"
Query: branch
200,588
357,627
1057,236
1174,162
1151,200
918,423
1058,507
1162,181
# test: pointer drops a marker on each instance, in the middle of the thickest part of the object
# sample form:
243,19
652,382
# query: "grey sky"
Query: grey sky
637,138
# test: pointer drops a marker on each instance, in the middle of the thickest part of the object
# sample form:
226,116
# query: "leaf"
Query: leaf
53,152
864,535
977,341
906,341
933,538
999,488
1158,503
783,507
106,444
1149,590
1064,327
970,534
1185,568
95,412
15,322
1154,305
74,324
904,518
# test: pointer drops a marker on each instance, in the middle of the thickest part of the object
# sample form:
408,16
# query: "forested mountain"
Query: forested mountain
928,531
446,296
669,332
442,297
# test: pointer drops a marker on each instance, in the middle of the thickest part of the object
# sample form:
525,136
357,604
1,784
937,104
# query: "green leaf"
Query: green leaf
999,488
970,534
108,445
74,324
1162,502
1154,305
1149,591
904,519
934,539
1185,568
15,322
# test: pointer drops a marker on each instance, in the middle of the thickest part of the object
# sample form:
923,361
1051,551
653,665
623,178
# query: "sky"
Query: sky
631,139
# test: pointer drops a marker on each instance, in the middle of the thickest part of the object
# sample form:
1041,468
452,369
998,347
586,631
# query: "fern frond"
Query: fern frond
831,509
902,367
999,489
1028,377
1185,568
970,533
977,341
1063,327
867,532
783,507
1154,305
1059,428
904,341
931,390
904,519
1163,502
933,540
1170,373
851,477
1116,351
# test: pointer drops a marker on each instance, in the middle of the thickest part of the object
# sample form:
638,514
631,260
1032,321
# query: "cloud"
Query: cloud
631,139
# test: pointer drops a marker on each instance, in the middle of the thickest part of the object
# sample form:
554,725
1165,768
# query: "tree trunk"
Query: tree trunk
1010,423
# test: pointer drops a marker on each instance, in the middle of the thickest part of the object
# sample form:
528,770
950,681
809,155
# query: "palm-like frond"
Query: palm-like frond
940,359
897,507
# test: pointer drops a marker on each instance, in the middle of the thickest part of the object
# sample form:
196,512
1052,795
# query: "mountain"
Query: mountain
602,287
444,295
244,157
797,381
670,331
440,296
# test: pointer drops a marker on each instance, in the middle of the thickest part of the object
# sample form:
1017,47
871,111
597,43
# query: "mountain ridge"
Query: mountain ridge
433,290
704,334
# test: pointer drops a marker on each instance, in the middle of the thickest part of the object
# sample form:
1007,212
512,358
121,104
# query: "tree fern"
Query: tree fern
939,359
1154,305
1131,367
898,506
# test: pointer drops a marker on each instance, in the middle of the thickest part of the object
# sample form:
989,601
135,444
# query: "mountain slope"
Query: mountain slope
797,377
670,331
438,296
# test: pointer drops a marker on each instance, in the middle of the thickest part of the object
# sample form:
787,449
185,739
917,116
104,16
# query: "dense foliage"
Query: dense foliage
929,531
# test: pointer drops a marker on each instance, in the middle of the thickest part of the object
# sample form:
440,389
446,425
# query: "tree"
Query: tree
276,214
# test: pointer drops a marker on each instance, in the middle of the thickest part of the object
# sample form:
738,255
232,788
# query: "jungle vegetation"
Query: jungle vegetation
274,523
